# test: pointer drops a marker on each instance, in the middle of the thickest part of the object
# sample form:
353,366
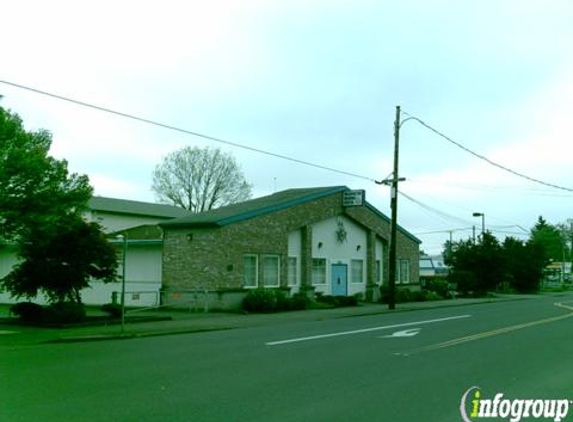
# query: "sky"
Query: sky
319,81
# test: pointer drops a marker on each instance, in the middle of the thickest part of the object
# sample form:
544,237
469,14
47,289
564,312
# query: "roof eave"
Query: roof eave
388,220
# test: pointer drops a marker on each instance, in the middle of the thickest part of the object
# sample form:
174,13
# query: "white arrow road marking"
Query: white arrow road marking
363,330
404,333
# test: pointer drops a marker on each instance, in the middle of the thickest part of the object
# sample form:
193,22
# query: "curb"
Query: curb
127,336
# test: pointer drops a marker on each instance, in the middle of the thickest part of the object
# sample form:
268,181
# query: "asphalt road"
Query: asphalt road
408,366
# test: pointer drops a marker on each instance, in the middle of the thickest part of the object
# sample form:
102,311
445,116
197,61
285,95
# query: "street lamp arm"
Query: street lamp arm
409,118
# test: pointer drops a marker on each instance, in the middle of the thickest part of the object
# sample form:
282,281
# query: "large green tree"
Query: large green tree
550,239
35,189
41,207
524,264
476,266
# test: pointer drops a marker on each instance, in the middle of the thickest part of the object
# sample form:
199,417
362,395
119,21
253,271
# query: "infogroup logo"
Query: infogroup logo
474,407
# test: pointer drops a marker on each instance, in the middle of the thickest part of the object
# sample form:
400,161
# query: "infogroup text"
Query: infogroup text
474,407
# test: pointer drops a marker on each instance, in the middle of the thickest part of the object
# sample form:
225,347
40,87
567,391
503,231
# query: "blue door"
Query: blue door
339,280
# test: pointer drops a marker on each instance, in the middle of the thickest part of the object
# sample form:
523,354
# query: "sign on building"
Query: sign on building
353,198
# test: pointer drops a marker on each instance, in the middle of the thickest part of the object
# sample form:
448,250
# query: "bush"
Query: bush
403,294
282,301
113,309
417,296
56,313
439,286
337,301
347,300
28,311
261,300
328,299
65,312
274,300
467,283
429,296
299,302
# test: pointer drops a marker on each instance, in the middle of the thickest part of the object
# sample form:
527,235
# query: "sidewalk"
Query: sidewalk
191,322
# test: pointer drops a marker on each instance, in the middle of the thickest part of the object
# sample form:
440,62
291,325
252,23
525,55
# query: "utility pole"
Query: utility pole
393,182
394,215
450,244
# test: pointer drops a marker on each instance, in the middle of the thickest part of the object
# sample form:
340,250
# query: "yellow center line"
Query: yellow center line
491,333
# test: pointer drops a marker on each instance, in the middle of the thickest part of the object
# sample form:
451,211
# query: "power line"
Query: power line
441,231
187,132
481,157
441,214
519,190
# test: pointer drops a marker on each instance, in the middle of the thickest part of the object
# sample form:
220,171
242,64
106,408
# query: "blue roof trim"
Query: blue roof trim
388,220
149,242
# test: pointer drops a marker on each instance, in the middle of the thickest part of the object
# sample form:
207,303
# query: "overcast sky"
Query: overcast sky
318,81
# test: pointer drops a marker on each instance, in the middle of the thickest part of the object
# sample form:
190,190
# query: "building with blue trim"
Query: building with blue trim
301,240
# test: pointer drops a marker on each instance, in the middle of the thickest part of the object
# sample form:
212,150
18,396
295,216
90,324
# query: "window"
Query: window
357,268
377,273
271,270
318,271
403,271
292,271
250,270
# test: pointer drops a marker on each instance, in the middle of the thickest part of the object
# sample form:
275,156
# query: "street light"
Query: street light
123,238
482,215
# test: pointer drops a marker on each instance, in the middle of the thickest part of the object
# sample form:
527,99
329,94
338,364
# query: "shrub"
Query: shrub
467,283
337,301
328,299
432,296
65,312
282,301
299,302
417,296
260,300
113,309
346,300
56,313
439,286
403,295
28,311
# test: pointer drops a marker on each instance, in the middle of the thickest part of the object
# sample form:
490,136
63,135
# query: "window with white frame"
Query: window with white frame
357,271
403,271
378,273
250,270
271,270
292,271
318,271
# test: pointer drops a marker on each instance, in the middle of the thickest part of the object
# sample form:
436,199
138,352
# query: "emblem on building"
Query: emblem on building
340,232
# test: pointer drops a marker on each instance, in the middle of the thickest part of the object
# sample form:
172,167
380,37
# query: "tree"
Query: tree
566,229
476,267
485,265
524,264
35,189
551,240
40,213
200,179
59,260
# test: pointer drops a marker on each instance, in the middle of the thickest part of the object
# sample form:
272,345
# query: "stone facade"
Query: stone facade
199,258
